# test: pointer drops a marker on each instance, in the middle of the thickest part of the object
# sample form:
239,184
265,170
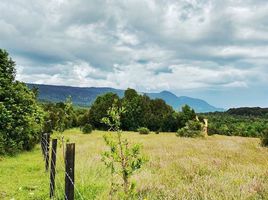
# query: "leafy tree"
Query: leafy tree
185,115
60,116
99,108
160,112
133,104
20,116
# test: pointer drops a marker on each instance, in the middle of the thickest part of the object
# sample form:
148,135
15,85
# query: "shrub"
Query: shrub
87,129
264,138
192,129
122,159
143,130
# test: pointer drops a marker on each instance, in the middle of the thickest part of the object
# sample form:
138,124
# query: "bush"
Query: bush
143,130
87,129
264,138
192,129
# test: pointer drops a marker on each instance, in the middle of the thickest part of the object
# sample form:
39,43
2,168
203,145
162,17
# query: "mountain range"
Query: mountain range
85,96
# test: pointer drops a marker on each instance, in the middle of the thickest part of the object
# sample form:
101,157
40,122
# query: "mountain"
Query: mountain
176,102
85,96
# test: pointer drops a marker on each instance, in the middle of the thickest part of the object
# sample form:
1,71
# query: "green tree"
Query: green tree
185,115
122,158
132,103
20,116
99,108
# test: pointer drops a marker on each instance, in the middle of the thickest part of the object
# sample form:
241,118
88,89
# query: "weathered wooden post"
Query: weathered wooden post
47,141
42,145
206,127
53,167
69,171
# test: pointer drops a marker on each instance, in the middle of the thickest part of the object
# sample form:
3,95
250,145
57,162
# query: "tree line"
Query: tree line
140,111
224,123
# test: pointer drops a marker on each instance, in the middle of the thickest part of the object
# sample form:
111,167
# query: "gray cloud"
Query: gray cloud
186,46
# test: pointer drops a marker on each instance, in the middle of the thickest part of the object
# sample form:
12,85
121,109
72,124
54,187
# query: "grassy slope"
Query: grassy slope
217,167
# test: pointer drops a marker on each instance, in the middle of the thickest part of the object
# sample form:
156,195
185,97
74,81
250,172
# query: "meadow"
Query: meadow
216,167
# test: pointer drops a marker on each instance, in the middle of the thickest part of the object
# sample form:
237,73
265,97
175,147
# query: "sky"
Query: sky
216,50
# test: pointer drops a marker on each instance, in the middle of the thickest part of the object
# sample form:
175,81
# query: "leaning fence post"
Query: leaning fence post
69,171
47,150
53,167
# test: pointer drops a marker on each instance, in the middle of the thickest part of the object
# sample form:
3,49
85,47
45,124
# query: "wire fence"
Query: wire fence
61,165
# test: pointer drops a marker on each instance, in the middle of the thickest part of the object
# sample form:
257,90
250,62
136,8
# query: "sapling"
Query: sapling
122,158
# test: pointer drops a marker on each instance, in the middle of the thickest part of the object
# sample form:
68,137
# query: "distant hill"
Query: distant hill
85,96
249,111
176,102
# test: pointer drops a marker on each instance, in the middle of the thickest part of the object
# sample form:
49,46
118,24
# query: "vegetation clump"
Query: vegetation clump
193,128
264,138
87,129
143,130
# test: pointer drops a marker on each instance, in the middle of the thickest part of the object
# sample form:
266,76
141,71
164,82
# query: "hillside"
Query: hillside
85,96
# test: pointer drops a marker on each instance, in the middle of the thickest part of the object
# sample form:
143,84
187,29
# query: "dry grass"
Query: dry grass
217,167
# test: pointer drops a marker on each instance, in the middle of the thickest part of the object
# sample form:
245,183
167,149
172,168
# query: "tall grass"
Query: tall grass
217,167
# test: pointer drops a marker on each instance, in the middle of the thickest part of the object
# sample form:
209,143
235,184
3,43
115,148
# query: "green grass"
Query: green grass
217,167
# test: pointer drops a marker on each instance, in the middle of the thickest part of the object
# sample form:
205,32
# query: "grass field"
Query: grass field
217,167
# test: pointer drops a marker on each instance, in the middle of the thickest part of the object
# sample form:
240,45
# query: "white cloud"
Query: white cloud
145,44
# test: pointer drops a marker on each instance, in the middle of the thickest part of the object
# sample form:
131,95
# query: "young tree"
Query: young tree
20,116
122,158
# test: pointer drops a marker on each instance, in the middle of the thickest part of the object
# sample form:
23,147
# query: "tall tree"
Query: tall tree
99,108
20,116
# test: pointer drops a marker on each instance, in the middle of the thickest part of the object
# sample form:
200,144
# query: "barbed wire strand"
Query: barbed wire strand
68,176
56,177
61,184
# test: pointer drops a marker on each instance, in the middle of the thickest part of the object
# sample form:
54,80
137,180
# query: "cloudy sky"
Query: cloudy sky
216,50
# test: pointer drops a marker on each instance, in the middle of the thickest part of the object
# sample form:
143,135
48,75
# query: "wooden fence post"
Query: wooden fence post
69,171
53,167
47,151
42,144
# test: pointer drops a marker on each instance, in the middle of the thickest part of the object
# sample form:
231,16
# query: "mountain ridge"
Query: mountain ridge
85,96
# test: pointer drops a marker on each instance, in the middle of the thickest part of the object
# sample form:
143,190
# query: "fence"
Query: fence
68,189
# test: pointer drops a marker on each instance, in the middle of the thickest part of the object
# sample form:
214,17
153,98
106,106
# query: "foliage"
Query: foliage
264,138
140,111
87,129
61,116
20,116
246,111
99,110
122,158
143,130
186,114
193,128
235,125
